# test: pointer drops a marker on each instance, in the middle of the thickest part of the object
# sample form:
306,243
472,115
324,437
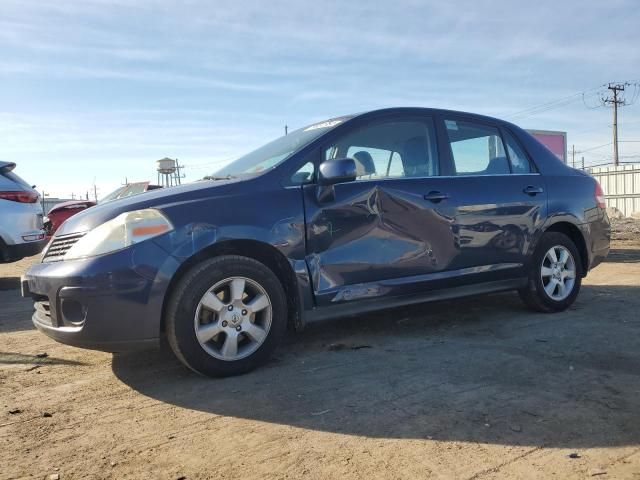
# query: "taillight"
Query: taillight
599,196
20,196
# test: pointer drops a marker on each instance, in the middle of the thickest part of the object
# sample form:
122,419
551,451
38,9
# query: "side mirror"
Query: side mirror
338,170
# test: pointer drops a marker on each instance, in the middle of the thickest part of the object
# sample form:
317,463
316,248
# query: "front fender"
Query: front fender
278,224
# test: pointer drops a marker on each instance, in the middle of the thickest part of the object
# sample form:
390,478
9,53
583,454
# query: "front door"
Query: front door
387,232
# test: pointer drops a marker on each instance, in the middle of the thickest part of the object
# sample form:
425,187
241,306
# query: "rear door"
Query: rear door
500,200
386,233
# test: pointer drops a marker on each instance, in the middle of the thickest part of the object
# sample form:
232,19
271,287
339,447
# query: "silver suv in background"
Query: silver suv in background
21,229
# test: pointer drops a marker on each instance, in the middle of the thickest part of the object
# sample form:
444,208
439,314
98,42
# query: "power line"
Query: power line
561,102
583,96
593,148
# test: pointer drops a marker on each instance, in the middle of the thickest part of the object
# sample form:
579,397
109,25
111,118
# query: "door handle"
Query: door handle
435,196
531,190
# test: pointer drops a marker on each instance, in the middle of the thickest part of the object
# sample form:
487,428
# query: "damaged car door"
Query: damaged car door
389,231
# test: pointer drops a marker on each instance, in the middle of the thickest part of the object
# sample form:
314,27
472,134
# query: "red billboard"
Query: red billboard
554,141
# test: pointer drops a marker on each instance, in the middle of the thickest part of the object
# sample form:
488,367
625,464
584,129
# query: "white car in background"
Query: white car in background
21,232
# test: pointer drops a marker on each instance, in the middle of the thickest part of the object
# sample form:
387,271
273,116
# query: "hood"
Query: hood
95,216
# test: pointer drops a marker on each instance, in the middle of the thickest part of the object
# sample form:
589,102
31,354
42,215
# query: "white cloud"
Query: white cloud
106,82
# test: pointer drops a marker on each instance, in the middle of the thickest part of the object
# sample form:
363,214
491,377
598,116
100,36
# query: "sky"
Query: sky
95,91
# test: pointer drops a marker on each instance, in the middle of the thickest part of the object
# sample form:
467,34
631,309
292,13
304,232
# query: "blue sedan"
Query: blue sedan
353,214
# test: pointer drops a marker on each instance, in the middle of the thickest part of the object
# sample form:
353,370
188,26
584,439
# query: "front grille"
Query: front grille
43,310
60,245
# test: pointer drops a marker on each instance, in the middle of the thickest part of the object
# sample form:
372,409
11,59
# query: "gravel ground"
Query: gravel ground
625,230
475,388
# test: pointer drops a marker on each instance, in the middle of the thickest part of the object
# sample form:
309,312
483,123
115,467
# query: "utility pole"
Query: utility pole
615,99
286,129
95,192
582,163
573,156
179,176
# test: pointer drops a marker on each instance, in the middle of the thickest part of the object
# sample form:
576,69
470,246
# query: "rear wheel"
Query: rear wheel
226,316
555,276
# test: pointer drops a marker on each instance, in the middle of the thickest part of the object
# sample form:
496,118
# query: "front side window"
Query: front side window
392,149
476,149
303,175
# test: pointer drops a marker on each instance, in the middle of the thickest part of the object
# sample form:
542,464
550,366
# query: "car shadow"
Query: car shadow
479,370
10,283
623,255
15,312
15,358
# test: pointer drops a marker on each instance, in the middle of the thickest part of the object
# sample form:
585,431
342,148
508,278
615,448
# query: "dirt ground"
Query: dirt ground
471,389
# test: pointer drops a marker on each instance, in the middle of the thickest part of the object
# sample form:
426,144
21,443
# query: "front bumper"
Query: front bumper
111,302
21,250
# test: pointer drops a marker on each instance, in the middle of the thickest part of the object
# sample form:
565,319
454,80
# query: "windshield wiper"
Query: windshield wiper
213,177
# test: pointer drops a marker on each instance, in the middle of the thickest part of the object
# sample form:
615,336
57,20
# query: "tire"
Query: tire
208,299
4,254
535,296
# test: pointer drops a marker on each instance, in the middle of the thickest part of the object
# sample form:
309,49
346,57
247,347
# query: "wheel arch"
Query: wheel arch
262,252
573,232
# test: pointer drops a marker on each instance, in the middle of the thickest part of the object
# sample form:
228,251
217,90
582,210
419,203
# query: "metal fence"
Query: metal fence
621,186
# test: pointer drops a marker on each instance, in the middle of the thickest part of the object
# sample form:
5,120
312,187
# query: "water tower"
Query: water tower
168,172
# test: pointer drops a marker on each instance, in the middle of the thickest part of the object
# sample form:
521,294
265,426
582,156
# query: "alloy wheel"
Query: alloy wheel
233,318
558,273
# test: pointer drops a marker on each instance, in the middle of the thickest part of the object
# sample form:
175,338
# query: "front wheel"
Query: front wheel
226,316
555,276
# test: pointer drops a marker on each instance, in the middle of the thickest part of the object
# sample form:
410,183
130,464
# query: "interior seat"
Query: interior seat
497,165
364,163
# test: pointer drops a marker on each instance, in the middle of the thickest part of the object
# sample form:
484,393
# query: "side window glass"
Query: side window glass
519,161
395,167
304,174
392,149
477,149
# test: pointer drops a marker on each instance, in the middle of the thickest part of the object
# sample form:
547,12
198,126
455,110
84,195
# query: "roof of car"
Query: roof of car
421,110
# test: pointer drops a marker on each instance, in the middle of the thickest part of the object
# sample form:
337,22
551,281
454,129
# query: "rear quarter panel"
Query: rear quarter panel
572,200
17,219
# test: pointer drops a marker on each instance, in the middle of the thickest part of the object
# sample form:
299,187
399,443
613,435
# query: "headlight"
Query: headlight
124,230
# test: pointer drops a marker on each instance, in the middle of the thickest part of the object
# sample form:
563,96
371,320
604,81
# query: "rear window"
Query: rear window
519,161
13,178
476,149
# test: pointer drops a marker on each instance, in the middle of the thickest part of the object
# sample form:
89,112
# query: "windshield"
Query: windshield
273,153
125,191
